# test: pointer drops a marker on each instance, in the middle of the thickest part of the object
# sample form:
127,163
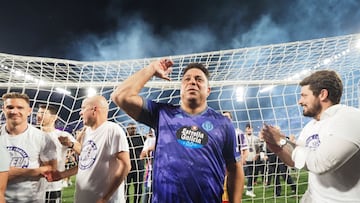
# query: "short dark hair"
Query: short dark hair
131,123
51,108
248,125
16,95
325,79
198,66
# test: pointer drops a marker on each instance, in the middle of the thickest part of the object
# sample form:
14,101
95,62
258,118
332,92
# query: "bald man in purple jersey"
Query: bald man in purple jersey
195,144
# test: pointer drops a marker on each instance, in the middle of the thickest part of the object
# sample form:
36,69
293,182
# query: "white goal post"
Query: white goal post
257,84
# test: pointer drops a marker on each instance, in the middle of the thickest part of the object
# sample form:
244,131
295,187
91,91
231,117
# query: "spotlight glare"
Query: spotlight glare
357,45
91,92
240,94
63,91
267,89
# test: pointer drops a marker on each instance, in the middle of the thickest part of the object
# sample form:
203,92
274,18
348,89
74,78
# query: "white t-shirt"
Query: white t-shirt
253,145
61,152
241,140
149,142
97,163
27,150
5,158
329,150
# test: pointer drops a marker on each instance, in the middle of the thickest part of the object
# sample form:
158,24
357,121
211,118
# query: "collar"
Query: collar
329,112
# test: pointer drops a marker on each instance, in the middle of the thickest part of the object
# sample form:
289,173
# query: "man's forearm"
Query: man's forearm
113,186
235,182
69,172
2,198
285,153
119,177
244,155
15,173
3,183
126,94
132,85
77,147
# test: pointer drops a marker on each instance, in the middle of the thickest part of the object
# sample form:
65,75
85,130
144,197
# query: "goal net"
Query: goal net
257,84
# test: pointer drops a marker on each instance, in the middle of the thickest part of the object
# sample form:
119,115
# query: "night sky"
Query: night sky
128,29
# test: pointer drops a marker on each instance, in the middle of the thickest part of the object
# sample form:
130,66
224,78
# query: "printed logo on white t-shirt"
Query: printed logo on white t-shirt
313,141
19,157
88,155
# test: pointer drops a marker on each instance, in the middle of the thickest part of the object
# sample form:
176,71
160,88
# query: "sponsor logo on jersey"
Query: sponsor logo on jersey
191,137
313,142
88,155
19,157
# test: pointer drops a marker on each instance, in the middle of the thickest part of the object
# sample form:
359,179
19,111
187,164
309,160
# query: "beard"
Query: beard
313,111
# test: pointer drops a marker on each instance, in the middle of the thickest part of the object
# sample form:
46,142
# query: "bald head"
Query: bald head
98,101
94,111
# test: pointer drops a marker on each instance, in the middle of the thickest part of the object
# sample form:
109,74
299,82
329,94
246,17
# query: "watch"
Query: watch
283,142
72,145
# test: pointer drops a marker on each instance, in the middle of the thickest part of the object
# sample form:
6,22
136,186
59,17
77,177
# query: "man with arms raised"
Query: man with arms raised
32,152
194,142
328,146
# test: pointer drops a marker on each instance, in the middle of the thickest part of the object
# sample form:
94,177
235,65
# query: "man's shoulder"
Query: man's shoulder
33,130
114,129
216,115
38,135
111,124
349,110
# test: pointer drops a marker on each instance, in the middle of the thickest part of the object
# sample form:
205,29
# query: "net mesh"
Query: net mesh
257,84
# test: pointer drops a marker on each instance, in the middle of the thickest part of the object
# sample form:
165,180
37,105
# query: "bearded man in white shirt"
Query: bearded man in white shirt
328,146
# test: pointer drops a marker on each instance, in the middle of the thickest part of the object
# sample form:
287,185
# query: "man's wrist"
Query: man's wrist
282,142
274,148
71,145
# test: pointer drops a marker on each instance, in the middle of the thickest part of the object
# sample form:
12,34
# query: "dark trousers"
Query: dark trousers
280,170
249,173
259,169
53,197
